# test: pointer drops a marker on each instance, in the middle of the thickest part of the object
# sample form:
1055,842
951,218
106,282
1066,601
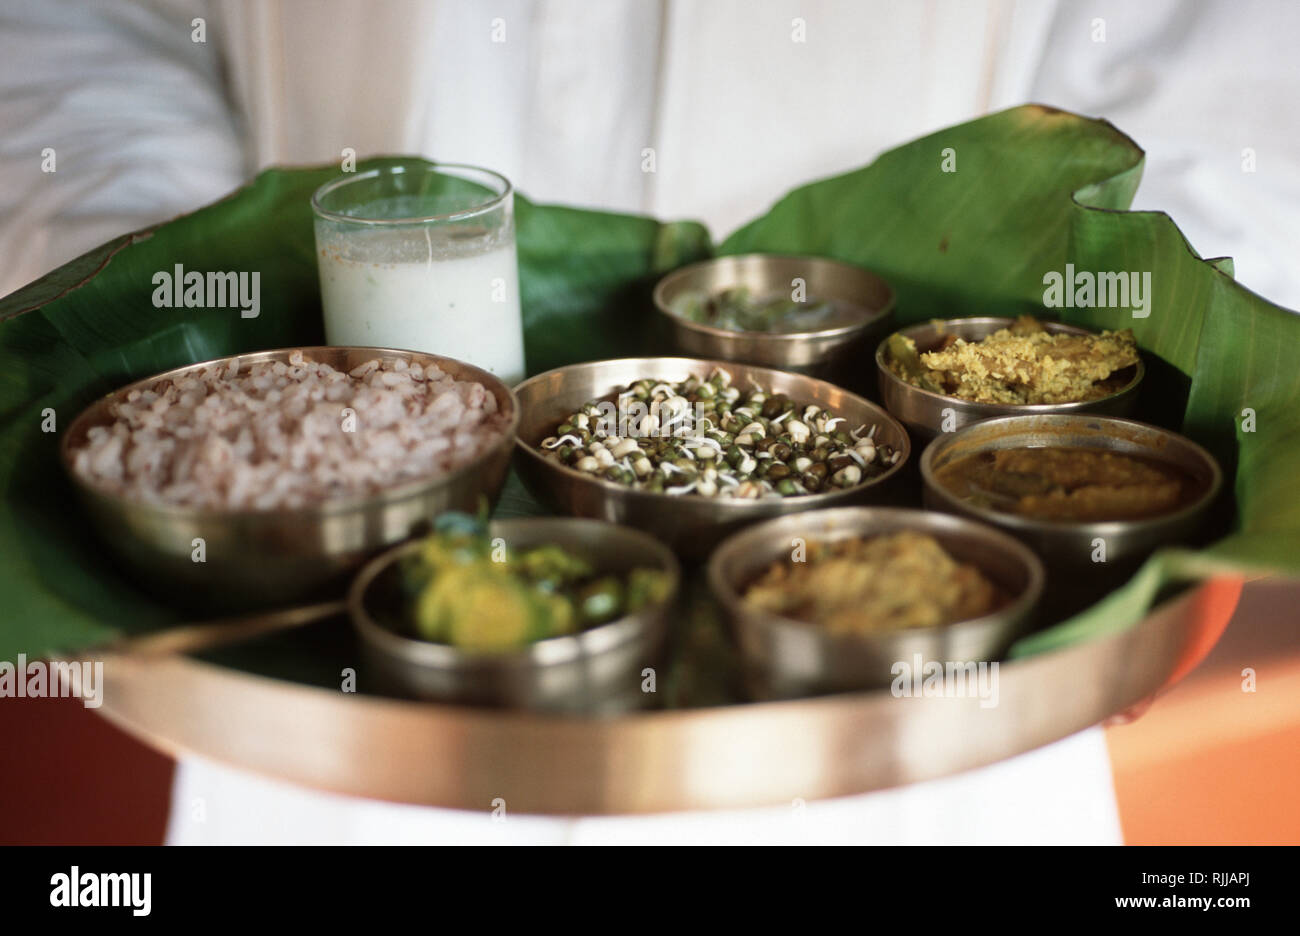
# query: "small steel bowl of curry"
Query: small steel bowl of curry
1080,490
942,376
740,309
846,599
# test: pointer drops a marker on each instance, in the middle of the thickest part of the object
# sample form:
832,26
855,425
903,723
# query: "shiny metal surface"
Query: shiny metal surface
1065,545
735,756
831,354
208,635
789,658
690,524
268,557
598,671
924,412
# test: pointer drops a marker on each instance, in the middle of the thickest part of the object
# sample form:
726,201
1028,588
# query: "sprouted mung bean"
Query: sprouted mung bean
708,438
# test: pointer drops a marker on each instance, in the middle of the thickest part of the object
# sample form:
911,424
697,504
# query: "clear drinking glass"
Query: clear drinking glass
421,257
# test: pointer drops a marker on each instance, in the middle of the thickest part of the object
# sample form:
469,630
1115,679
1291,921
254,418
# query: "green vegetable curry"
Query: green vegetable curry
475,593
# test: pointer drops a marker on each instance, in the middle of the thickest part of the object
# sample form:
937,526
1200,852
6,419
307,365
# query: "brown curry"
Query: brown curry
895,581
1073,484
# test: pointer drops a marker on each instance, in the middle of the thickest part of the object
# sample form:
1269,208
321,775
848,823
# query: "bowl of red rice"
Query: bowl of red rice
264,478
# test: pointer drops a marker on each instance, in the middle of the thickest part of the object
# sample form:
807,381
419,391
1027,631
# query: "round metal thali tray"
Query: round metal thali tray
727,756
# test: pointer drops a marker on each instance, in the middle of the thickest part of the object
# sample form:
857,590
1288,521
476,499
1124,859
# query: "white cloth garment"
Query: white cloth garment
1059,794
566,97
128,112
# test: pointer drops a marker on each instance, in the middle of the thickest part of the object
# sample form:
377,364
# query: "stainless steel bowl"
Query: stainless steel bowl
690,524
834,354
1066,545
600,670
928,414
785,658
263,557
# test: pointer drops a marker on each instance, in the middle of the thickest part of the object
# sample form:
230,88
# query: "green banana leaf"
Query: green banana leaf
963,222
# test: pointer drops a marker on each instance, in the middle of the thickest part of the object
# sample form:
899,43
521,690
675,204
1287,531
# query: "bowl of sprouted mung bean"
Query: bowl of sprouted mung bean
690,450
